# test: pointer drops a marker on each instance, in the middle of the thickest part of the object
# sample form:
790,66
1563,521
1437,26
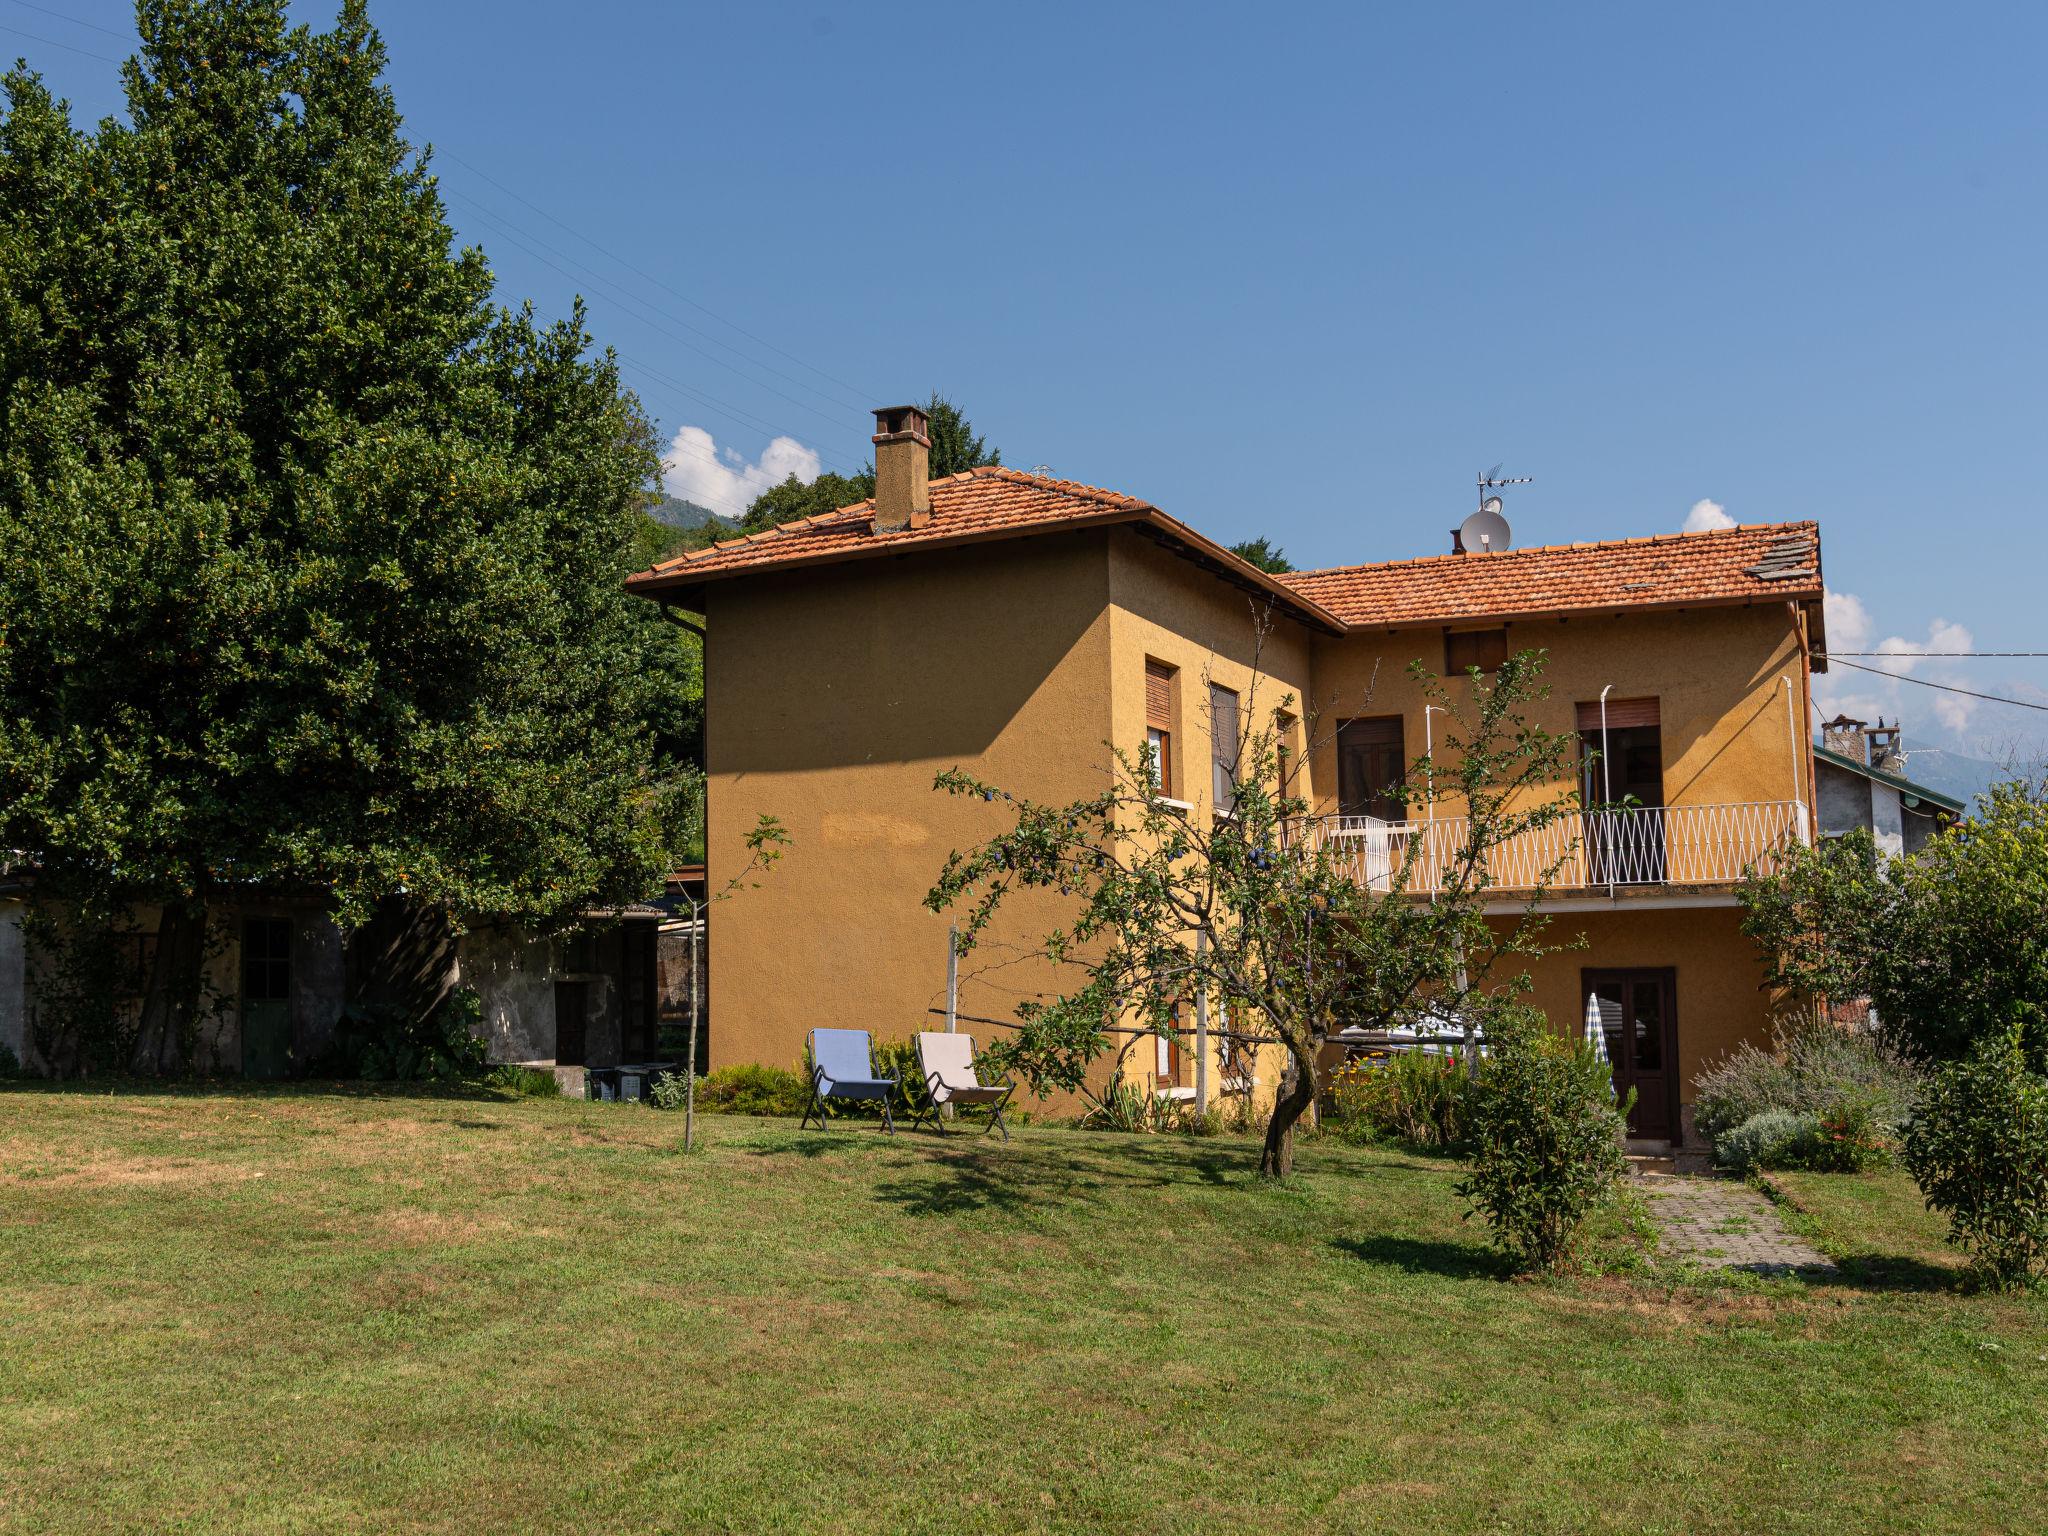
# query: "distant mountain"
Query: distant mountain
1952,773
677,513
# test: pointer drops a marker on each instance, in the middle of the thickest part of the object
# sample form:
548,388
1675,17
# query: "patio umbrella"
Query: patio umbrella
1596,1027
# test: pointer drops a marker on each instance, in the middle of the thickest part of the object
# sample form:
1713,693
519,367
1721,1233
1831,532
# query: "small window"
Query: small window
266,960
1159,712
1465,649
1223,745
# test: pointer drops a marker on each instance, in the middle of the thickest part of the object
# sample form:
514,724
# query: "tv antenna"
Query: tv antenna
1486,531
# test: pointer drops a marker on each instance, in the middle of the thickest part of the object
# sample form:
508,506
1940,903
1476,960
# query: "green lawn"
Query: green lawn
242,1311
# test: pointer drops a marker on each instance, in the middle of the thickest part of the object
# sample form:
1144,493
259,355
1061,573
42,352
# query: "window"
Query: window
1159,680
1167,1054
1223,746
1372,768
1465,649
266,960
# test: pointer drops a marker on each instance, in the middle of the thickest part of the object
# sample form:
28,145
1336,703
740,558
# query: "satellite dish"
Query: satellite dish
1485,531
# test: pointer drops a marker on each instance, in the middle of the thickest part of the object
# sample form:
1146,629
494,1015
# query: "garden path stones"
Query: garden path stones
1721,1223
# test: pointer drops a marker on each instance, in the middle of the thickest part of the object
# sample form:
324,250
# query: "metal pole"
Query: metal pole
1606,791
1792,728
952,993
1201,1028
690,1066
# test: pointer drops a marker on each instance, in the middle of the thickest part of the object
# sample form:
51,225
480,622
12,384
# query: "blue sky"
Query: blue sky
1302,271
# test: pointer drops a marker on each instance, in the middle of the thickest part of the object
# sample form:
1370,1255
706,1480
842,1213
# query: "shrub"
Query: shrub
10,1064
383,1044
1545,1136
743,1089
1844,1077
1411,1096
1978,1149
1775,1138
526,1082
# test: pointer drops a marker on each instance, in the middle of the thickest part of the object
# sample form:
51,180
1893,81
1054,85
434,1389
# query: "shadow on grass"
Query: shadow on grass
1420,1256
1900,1272
241,1088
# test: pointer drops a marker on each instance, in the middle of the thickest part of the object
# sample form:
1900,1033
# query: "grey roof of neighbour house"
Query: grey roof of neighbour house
1904,786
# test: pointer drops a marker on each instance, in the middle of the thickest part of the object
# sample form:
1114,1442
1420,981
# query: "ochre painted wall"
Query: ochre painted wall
1721,1001
1718,674
831,699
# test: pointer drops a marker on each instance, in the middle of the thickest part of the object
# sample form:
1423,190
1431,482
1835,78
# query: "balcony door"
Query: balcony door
1621,770
1372,766
1639,1015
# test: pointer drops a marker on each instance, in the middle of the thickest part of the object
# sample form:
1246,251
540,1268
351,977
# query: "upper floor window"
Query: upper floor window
1159,721
1465,649
1223,748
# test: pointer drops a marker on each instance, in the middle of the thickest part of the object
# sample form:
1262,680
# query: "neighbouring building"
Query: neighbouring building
1861,784
282,974
1017,625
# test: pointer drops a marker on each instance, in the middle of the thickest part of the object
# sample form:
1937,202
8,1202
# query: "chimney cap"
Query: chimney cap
893,423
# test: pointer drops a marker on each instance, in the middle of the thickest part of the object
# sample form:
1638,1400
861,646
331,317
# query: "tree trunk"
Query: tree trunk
1297,1093
170,1006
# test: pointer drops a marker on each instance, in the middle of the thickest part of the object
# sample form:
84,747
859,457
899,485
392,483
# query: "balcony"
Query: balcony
1674,846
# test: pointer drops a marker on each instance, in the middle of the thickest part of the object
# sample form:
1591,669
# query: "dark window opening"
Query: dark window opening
1465,649
1372,768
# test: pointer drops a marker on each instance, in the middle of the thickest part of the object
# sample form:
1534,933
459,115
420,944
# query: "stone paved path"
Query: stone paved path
1723,1223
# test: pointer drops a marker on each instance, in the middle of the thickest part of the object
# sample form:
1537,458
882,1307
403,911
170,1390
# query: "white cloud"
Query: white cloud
1863,695
696,469
1706,516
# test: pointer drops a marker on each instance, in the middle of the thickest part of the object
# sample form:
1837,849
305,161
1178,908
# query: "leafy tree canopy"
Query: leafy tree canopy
1265,554
310,556
1950,946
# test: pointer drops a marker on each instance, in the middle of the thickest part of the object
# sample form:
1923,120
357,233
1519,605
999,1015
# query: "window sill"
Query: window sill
1182,807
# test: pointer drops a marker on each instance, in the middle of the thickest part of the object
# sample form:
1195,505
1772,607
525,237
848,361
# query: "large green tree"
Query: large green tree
309,554
956,446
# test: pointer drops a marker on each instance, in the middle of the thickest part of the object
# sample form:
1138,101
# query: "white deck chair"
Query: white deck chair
947,1062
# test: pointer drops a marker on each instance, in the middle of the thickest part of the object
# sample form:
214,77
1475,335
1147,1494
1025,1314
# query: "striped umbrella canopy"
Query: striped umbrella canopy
1596,1027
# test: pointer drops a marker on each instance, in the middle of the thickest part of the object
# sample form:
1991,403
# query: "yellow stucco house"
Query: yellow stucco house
1016,625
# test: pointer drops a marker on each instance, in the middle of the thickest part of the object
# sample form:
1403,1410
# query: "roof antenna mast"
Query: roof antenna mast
1486,531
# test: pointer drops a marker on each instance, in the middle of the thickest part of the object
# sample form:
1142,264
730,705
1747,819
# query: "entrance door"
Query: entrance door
1372,766
1639,1015
266,997
572,1020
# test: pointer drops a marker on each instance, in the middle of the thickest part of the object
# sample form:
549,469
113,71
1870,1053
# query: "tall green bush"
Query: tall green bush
1412,1096
1978,1148
1546,1140
1856,1090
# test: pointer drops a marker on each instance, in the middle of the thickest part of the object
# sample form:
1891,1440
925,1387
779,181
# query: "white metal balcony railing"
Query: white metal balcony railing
1673,845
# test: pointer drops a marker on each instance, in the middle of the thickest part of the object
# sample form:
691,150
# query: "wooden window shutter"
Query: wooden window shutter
1158,696
1621,713
1464,649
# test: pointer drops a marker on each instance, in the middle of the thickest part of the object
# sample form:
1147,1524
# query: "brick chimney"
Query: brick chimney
1885,752
1845,736
903,466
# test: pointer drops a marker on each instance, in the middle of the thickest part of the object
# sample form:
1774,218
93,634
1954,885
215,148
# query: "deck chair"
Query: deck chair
947,1062
842,1067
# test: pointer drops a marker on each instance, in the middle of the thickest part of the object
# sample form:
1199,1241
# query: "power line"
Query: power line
78,21
1901,677
1902,654
649,277
51,42
511,230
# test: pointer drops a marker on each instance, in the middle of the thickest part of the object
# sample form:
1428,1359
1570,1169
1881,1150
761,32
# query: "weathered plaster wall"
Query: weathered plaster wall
513,976
1844,802
831,699
13,983
1887,820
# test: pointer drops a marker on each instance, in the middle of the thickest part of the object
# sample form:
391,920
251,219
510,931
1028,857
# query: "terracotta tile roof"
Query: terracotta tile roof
994,502
1754,562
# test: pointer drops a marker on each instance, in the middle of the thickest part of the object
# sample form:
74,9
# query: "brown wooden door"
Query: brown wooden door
1639,1013
1372,766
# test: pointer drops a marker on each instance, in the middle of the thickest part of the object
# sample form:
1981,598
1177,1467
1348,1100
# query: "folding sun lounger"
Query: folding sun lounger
842,1067
947,1062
